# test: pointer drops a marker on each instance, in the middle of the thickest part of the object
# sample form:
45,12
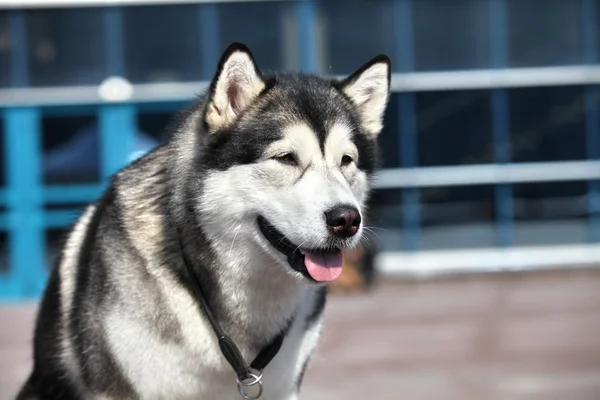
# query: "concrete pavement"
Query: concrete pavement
518,336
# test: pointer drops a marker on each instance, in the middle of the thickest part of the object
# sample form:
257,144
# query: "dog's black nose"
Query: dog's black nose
343,220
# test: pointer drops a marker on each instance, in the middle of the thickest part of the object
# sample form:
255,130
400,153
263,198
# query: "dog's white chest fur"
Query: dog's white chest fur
195,368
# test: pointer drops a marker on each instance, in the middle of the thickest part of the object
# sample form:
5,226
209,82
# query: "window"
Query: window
154,125
547,124
162,43
267,28
451,34
5,48
451,218
71,149
457,217
66,46
550,213
350,38
454,128
384,219
544,34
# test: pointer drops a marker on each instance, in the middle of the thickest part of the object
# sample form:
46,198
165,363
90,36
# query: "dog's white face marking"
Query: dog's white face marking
306,182
293,197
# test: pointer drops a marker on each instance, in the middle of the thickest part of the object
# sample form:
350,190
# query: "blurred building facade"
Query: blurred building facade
491,148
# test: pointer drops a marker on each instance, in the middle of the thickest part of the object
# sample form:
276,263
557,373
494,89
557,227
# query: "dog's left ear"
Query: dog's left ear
235,85
369,89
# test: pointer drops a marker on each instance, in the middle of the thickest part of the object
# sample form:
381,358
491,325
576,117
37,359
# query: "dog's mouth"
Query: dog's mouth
320,265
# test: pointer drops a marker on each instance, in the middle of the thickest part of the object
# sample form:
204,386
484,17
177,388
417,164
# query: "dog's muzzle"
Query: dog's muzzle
317,265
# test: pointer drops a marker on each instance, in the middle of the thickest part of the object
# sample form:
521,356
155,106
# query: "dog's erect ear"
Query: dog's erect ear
236,84
369,89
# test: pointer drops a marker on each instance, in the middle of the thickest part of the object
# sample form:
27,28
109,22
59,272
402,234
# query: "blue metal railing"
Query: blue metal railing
25,196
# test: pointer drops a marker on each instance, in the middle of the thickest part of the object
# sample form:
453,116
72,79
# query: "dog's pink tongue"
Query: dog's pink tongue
323,267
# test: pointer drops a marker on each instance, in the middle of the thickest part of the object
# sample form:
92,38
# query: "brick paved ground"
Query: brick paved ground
517,336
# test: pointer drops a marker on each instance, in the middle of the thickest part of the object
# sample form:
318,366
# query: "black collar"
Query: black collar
228,347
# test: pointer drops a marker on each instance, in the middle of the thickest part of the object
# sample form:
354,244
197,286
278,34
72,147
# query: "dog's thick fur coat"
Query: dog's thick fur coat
119,319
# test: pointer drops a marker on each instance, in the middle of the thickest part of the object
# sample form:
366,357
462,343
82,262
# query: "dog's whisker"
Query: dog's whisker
234,236
374,228
300,245
370,234
367,241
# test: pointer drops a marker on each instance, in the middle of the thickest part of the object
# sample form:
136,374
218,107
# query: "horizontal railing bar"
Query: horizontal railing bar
496,78
71,194
56,219
464,175
401,82
4,222
488,174
3,197
20,4
514,258
78,95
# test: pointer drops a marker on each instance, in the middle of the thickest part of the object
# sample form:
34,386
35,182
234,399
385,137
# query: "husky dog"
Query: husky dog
259,187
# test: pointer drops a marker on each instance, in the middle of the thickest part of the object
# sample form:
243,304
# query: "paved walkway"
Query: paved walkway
511,337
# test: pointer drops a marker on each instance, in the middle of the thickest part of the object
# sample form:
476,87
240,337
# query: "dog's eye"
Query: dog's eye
346,160
287,158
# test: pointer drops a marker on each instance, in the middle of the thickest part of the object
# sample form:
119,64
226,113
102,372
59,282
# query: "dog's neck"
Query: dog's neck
252,297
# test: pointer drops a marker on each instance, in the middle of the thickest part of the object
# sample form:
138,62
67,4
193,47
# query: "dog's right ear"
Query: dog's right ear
235,85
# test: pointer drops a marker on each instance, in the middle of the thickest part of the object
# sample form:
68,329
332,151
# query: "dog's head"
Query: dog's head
288,160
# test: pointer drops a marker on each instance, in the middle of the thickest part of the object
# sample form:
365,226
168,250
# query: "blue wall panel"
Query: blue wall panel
71,194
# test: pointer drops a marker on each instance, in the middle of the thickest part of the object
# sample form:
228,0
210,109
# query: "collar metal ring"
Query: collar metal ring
257,380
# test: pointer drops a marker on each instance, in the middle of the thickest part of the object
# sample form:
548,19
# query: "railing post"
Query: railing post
117,120
23,155
208,22
118,127
503,192
113,41
306,11
409,148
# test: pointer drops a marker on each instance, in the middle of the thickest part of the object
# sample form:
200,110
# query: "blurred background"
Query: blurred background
479,281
